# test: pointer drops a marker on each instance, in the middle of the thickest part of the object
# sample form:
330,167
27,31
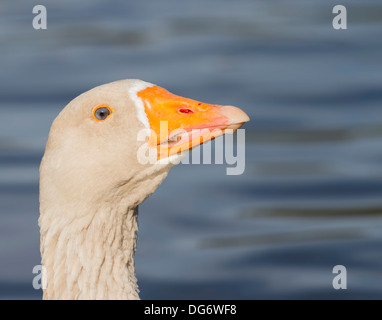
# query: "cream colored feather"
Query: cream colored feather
90,186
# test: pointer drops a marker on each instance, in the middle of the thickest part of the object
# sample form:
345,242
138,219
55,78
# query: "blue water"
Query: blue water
311,195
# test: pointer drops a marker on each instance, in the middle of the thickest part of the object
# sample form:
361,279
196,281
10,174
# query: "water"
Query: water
311,195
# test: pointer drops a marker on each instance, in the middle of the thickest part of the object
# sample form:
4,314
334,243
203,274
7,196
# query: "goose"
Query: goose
106,153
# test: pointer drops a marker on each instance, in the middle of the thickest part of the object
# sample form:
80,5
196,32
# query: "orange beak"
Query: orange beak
178,124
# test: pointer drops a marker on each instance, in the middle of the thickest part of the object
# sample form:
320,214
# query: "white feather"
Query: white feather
133,89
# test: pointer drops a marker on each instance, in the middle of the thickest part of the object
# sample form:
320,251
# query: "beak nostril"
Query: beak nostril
185,110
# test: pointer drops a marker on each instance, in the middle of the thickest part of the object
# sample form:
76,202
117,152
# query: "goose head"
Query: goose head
124,134
107,151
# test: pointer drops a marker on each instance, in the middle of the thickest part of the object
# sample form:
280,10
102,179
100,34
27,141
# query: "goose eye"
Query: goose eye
101,113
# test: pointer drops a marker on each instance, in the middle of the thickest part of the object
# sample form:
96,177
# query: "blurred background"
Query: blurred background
311,195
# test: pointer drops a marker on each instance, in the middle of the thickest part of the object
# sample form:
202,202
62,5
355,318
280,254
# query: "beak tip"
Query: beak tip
234,115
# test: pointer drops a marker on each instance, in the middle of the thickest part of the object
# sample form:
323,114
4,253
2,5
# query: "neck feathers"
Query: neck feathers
91,257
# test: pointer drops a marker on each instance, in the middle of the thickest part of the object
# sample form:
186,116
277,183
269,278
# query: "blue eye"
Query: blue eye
101,113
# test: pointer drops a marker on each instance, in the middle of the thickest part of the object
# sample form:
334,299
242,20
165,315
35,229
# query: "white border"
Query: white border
133,89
